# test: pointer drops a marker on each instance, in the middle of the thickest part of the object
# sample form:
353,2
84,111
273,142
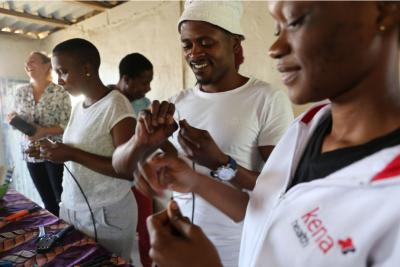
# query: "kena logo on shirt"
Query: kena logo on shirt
310,228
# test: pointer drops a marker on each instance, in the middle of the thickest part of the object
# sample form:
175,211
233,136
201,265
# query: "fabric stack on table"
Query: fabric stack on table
18,239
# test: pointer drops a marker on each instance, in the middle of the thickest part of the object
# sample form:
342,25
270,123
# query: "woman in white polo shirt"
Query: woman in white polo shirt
329,193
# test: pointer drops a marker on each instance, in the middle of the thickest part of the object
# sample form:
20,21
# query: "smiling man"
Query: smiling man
229,123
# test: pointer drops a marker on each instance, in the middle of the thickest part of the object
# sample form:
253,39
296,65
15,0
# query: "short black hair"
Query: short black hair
134,64
85,50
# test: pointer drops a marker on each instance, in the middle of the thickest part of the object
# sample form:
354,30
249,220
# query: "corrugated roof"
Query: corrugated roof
38,19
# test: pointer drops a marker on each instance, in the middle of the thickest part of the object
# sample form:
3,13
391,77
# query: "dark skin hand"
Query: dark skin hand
155,125
55,151
200,147
164,171
161,172
59,152
153,128
171,234
33,150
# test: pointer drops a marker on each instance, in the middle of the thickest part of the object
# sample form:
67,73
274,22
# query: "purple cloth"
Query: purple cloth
18,239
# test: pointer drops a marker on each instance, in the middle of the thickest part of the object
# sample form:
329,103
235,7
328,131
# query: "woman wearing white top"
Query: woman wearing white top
98,124
329,194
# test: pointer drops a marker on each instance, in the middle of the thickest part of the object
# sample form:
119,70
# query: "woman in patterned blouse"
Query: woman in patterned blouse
48,106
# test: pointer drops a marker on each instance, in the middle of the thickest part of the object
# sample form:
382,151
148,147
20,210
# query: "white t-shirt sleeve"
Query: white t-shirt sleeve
120,108
276,119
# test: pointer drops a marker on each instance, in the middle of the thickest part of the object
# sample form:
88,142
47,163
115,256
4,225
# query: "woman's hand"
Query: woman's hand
33,150
164,171
10,116
155,125
41,132
55,151
175,242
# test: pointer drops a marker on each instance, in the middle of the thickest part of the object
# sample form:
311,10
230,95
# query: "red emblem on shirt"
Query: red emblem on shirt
347,245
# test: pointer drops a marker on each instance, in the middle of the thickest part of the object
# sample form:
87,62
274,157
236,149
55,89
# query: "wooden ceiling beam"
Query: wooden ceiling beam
96,5
35,19
18,35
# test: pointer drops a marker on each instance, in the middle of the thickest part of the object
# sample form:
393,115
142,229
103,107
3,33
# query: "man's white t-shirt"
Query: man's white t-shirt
240,121
89,129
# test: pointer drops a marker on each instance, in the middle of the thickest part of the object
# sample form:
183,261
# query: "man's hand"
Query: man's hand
200,146
175,242
164,171
56,152
153,128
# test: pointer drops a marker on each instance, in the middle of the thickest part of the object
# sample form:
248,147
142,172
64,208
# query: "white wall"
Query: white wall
13,52
147,27
259,28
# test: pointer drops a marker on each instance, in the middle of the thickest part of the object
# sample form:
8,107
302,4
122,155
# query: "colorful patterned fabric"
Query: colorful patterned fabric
18,239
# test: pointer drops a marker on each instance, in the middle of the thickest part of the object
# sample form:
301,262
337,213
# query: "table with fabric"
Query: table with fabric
18,239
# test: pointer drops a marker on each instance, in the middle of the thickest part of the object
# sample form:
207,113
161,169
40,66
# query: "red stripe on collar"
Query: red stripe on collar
390,171
311,113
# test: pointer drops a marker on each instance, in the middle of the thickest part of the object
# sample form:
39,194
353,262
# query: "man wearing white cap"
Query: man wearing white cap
229,123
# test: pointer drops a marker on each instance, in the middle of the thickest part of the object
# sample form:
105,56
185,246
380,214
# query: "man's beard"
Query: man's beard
201,81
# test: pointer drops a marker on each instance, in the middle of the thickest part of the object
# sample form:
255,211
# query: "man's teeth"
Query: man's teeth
200,66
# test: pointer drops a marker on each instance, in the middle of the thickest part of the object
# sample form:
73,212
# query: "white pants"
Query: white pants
115,225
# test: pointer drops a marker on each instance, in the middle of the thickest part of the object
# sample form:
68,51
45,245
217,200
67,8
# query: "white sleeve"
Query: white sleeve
120,108
278,117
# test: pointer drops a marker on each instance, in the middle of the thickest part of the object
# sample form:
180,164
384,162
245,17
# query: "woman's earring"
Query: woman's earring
88,74
382,28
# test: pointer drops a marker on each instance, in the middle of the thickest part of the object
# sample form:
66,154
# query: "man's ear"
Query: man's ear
389,14
236,44
125,78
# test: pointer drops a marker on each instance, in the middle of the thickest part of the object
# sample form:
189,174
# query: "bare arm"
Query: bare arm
42,132
58,152
201,148
152,131
227,199
127,155
246,179
168,171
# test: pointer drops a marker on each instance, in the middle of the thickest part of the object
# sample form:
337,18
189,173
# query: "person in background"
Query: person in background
135,76
48,107
99,123
329,193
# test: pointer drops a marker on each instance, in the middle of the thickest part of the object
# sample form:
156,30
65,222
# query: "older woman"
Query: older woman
48,106
329,194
